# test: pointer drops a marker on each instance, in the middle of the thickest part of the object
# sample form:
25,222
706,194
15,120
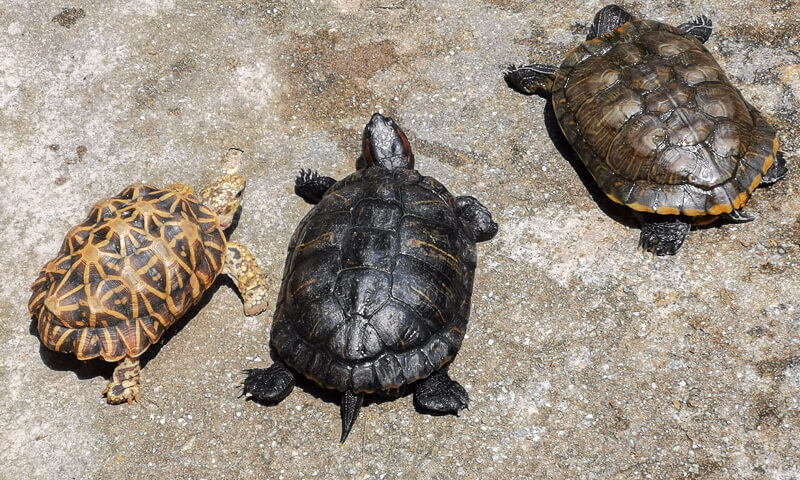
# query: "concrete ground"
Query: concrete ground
584,358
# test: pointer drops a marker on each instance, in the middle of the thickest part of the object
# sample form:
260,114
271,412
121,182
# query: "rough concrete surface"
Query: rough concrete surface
584,358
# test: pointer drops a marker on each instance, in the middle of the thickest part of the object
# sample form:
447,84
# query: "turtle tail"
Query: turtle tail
351,404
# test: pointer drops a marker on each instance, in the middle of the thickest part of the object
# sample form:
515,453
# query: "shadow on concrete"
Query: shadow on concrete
617,212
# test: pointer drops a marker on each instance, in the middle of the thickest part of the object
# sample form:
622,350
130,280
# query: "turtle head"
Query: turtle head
385,145
608,19
224,197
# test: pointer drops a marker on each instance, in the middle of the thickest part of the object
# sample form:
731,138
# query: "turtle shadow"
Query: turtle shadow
619,213
182,322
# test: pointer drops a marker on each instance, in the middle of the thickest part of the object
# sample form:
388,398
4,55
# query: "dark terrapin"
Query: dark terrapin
136,265
658,124
377,284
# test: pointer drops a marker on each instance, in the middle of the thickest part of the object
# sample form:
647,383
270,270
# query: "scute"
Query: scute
127,272
395,263
655,120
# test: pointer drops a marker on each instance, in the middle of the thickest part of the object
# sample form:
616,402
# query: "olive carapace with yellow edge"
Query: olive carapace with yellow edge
137,264
658,124
377,284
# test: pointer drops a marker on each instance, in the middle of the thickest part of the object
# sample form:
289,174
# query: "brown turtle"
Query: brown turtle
660,127
133,267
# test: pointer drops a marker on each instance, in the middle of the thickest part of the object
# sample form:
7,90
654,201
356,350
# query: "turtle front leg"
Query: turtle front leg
242,267
663,236
310,186
700,27
531,79
440,394
124,384
476,218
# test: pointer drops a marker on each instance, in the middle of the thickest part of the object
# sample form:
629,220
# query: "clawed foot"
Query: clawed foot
124,384
268,385
476,218
663,237
440,394
310,186
776,172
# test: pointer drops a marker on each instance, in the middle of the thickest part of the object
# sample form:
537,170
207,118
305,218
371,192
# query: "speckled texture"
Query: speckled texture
583,358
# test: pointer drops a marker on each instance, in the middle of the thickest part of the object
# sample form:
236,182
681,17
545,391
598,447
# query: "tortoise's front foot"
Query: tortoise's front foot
124,384
241,265
268,385
311,187
476,218
440,394
663,236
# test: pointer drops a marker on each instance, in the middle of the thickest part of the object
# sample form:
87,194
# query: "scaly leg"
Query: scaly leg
242,267
441,394
476,218
663,235
124,384
531,79
700,27
776,172
268,385
311,186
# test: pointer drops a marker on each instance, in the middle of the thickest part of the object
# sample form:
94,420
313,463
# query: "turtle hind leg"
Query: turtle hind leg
476,218
439,394
776,172
268,385
310,186
241,265
663,236
351,405
531,79
124,383
699,27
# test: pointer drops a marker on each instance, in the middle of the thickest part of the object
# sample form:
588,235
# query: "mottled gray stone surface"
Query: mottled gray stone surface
584,358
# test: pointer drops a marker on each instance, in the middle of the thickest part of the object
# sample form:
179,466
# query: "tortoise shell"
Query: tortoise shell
126,273
658,124
377,284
